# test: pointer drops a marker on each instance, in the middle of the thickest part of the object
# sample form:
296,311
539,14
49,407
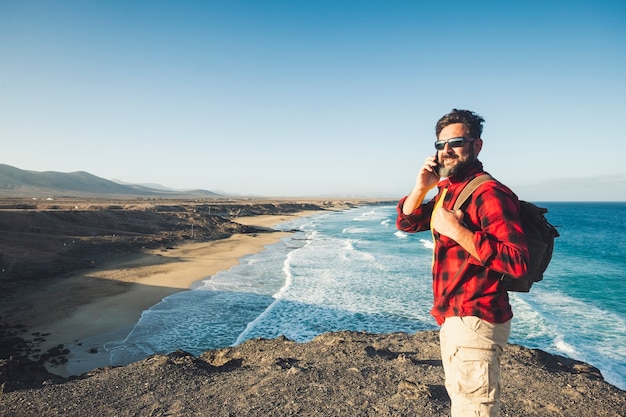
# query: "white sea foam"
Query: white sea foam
401,234
561,324
427,243
563,346
277,297
356,230
528,324
349,253
373,214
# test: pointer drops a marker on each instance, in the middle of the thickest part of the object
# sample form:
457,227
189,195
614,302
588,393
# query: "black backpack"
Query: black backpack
539,233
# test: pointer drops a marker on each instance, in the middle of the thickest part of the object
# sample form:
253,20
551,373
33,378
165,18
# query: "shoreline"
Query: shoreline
145,279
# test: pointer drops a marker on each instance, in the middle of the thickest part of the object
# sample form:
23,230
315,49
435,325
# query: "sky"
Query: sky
314,98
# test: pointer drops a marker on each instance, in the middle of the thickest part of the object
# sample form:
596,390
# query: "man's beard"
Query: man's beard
459,169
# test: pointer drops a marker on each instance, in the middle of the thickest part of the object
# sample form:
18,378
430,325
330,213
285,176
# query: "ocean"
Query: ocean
353,270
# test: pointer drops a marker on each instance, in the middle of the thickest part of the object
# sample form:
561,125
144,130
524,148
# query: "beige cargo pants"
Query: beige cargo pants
470,351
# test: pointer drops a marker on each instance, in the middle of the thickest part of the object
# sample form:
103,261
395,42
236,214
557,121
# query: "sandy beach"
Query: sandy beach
93,307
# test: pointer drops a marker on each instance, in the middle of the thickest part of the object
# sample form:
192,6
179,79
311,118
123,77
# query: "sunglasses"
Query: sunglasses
453,142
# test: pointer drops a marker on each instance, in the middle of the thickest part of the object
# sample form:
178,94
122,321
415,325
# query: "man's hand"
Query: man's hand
450,223
425,181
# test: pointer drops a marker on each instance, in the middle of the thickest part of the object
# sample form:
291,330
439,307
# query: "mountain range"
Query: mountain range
18,183
15,182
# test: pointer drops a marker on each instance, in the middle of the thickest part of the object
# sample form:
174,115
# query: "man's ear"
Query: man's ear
478,145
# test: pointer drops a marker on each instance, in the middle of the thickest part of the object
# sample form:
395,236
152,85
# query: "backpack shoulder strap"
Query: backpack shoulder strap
469,189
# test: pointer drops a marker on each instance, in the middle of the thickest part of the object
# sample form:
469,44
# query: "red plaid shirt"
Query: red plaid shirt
462,284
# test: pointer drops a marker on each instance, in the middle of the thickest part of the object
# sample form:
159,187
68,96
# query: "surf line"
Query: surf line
277,297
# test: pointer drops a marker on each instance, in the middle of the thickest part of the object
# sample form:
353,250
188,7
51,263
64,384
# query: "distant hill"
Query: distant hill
15,182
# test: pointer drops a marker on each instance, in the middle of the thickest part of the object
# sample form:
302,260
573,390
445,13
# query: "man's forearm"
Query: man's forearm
465,238
413,200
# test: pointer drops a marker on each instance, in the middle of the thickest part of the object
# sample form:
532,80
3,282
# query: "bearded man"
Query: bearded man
473,247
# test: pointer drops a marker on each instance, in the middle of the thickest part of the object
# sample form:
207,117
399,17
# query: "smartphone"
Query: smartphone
436,167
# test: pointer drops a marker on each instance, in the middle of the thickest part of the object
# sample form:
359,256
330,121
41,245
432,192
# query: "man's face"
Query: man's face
454,161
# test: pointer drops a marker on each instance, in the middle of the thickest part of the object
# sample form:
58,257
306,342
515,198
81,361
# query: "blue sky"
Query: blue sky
310,98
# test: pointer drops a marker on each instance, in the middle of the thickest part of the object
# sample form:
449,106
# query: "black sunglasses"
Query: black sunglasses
453,142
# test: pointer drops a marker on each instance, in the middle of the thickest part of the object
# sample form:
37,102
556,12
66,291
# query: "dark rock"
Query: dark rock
336,374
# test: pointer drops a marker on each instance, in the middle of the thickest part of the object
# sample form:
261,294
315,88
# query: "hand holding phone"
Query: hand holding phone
436,167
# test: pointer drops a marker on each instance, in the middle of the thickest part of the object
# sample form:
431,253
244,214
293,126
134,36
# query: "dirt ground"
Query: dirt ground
336,374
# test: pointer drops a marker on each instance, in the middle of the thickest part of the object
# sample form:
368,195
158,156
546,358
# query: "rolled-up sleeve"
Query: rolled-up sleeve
500,242
418,220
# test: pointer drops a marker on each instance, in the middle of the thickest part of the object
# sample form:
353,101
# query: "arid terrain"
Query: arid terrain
336,374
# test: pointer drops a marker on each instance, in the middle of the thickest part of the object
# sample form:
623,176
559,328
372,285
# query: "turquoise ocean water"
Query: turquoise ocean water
353,270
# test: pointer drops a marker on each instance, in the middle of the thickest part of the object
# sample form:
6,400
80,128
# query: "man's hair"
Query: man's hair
472,121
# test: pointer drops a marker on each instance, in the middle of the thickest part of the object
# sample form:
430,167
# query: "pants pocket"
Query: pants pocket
478,374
